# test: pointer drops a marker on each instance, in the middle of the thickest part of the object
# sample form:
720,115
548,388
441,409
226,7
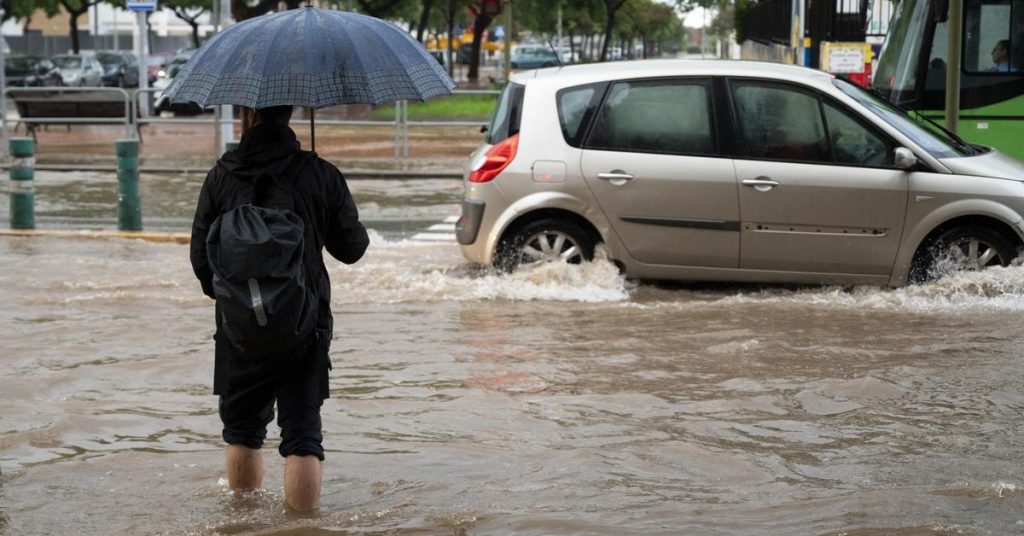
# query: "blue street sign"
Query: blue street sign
142,5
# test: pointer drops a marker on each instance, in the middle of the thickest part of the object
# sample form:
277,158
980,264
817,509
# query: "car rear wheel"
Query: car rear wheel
968,247
544,241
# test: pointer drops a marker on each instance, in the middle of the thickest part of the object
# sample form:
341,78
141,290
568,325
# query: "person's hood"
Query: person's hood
262,148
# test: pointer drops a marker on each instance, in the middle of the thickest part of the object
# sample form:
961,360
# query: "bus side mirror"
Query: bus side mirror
905,158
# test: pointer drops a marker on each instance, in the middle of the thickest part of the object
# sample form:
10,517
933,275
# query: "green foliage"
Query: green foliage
467,107
740,10
19,9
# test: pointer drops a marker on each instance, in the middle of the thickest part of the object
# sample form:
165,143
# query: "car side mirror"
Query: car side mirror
905,158
483,129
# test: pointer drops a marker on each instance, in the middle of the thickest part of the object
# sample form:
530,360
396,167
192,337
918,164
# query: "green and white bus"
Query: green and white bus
911,70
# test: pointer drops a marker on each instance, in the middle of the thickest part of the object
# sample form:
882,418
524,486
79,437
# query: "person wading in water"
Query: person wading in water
265,213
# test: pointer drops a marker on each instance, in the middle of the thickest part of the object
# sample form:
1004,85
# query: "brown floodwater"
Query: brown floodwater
561,400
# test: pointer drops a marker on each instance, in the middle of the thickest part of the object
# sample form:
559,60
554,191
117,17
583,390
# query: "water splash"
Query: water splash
408,271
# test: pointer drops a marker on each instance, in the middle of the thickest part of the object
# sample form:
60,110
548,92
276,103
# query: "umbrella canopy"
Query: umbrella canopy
310,57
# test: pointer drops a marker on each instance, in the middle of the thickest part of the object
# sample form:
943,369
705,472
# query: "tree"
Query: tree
483,12
382,9
245,9
75,9
611,7
424,19
189,11
651,22
17,9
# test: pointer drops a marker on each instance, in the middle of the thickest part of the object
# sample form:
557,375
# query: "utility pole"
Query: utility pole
226,120
508,39
955,25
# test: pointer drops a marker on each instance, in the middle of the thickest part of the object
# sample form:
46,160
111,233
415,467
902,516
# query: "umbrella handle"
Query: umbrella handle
312,130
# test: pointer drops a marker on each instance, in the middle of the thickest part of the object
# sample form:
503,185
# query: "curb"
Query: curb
355,174
177,238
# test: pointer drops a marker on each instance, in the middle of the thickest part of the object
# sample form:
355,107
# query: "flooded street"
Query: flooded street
561,400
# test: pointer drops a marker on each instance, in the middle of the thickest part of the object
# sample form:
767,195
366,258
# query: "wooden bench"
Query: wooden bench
34,106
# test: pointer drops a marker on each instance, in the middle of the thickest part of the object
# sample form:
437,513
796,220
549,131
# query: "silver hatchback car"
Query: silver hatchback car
732,171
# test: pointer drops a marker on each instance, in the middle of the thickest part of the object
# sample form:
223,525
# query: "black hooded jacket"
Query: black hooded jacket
322,200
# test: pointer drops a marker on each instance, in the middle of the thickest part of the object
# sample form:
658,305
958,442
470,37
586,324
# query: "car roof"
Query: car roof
571,75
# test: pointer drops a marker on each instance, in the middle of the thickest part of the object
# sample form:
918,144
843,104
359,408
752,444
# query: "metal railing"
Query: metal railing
124,100
135,115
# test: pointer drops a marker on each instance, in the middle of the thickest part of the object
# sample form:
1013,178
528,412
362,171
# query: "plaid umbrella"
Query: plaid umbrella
310,57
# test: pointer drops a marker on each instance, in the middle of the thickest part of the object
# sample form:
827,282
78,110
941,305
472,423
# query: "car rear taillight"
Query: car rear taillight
495,160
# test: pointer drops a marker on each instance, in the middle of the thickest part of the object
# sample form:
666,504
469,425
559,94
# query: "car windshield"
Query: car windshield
68,62
108,60
22,63
929,138
534,53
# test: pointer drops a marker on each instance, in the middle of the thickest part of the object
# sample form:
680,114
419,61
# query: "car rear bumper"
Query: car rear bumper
468,226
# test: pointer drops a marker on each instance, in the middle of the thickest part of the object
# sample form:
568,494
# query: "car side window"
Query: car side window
576,107
658,116
853,143
779,123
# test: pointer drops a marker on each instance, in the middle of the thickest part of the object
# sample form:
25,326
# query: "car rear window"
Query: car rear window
576,106
506,118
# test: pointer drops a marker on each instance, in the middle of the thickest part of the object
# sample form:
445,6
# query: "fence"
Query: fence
136,108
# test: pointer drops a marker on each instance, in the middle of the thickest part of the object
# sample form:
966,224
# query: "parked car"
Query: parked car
120,69
30,71
162,104
79,69
533,57
155,63
736,171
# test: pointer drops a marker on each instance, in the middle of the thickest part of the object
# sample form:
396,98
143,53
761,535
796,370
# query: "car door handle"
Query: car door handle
761,181
616,175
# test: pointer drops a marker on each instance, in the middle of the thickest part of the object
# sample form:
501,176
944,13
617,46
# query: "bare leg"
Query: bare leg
245,468
302,475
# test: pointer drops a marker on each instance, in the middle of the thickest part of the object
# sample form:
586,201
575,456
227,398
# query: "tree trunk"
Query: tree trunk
424,19
450,16
572,47
241,10
74,32
195,32
479,27
609,26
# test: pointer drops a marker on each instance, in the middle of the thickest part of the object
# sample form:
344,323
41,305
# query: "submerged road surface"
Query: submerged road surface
560,400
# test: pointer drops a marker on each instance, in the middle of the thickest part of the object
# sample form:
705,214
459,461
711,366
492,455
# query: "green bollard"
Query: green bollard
23,197
129,209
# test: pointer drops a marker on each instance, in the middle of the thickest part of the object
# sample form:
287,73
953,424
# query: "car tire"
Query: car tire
543,241
967,247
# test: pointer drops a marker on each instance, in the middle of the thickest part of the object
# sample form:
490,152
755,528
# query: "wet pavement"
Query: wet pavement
559,400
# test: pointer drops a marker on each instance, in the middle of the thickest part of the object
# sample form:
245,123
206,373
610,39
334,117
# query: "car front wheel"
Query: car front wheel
544,241
968,247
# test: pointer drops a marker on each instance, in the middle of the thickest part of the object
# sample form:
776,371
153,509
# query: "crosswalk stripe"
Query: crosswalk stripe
434,237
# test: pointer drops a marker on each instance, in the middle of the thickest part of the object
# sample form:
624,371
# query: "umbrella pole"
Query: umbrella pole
312,130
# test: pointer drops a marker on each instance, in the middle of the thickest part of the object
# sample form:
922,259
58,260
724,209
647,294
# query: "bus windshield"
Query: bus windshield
897,63
938,144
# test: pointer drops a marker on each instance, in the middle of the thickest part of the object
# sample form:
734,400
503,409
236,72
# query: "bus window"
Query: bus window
938,58
992,35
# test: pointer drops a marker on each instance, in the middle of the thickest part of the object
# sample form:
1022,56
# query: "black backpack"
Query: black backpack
262,281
